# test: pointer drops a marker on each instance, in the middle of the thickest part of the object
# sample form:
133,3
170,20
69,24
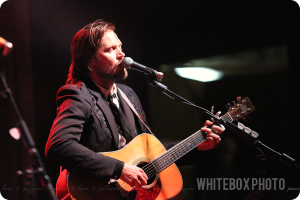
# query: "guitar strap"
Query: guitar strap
133,109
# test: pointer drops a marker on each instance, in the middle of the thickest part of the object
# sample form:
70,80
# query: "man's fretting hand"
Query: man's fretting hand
134,176
212,137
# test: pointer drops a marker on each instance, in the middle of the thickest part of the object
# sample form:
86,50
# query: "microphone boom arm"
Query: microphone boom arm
285,159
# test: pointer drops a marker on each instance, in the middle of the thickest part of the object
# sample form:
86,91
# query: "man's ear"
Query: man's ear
91,62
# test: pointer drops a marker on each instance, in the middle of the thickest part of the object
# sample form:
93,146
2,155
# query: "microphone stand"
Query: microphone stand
37,164
285,159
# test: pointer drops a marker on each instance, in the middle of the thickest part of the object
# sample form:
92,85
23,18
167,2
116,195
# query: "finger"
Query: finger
144,175
214,130
207,123
144,178
215,137
131,184
137,183
205,129
208,140
218,129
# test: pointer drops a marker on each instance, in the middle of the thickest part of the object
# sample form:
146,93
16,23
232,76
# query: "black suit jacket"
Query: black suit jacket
84,125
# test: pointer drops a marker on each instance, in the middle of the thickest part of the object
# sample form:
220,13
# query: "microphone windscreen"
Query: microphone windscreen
128,60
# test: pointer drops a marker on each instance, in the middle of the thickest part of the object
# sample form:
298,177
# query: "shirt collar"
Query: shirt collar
107,92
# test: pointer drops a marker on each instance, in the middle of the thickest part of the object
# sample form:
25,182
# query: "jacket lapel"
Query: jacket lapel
102,103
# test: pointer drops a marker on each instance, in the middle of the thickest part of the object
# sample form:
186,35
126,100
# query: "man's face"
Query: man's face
108,58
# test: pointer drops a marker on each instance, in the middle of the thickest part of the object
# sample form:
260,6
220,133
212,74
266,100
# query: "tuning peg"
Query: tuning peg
247,130
254,134
238,98
241,126
212,110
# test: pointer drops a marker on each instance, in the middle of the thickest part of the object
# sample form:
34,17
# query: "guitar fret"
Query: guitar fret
182,148
227,117
176,152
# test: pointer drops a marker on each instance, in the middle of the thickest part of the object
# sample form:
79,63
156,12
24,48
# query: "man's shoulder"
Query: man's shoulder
70,88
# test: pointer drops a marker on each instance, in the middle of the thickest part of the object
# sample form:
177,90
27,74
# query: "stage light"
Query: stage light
202,74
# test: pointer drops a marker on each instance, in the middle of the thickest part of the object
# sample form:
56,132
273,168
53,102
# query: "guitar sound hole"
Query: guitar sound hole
149,171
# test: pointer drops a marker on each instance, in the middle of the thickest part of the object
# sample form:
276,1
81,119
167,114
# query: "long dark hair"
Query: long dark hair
84,45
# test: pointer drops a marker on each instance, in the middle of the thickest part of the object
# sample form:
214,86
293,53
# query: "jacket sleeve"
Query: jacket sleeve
63,147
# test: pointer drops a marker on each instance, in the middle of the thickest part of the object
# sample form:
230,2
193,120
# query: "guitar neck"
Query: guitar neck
182,148
177,151
237,111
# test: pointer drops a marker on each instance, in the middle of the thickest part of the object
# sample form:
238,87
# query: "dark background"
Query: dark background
155,33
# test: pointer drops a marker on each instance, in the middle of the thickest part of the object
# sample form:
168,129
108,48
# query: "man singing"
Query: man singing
86,121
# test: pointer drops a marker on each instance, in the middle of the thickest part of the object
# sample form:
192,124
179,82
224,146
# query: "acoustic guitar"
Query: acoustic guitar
148,153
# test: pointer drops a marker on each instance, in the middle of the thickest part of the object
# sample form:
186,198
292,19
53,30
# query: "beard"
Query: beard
112,72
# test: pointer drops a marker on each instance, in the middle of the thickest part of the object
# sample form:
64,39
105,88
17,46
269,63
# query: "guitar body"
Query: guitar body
140,151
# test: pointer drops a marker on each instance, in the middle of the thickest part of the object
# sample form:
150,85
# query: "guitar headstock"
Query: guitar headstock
241,109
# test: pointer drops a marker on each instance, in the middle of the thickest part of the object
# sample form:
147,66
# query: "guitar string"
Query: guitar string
125,186
153,172
238,107
226,117
191,139
122,187
149,166
166,156
150,171
175,151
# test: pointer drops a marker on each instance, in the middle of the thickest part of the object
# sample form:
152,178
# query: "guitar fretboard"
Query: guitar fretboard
169,157
241,109
176,152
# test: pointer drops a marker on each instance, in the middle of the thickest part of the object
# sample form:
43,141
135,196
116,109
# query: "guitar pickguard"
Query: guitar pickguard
145,193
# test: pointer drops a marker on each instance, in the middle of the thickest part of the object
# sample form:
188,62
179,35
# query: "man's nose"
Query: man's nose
121,53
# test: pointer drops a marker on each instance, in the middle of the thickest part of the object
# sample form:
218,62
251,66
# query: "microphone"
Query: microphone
128,63
7,46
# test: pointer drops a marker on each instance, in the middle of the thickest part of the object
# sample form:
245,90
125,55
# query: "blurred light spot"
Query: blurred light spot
202,74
